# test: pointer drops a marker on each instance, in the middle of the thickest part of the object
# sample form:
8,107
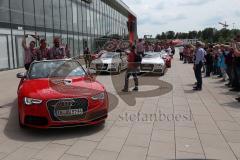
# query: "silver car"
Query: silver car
153,62
112,62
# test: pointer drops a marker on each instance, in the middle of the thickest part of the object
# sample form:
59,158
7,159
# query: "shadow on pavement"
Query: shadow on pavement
232,104
159,87
13,131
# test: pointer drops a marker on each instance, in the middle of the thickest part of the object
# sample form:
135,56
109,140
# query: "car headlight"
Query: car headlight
31,101
158,66
100,96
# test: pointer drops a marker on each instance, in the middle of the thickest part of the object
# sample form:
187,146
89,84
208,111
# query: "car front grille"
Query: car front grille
146,67
101,66
68,109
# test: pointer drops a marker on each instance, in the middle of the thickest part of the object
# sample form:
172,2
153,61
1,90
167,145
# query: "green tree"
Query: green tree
170,34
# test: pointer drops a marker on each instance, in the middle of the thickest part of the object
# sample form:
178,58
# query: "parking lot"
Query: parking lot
164,120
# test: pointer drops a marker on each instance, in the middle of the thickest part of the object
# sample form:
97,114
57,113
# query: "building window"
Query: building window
75,17
48,14
56,15
3,53
69,15
39,13
16,12
29,12
4,11
63,13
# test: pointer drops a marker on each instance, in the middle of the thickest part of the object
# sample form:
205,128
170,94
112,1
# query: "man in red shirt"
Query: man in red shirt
132,70
29,52
42,51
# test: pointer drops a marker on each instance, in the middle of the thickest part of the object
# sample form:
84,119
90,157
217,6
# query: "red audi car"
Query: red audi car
60,93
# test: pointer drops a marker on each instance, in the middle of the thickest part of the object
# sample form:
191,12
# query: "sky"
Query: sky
157,16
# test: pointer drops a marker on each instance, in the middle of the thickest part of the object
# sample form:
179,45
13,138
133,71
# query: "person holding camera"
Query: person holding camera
29,51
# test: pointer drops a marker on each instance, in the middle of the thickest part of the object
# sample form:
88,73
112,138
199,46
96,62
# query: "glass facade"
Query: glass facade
80,24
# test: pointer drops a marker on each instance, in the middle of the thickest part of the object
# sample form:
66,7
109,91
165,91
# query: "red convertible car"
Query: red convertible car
60,93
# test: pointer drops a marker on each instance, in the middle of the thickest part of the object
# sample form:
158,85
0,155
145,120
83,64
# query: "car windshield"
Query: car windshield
48,69
109,55
151,55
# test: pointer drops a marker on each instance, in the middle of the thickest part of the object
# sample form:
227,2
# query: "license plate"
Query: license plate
69,112
147,68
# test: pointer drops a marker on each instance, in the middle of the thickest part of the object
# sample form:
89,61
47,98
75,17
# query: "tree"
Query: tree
158,36
192,34
170,34
163,36
208,35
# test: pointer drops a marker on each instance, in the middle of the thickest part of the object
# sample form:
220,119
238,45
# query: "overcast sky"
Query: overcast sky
157,16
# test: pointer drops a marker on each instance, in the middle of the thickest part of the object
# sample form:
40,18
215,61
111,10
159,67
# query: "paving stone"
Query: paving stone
103,155
51,152
163,150
10,146
189,155
186,132
22,153
133,153
37,145
226,125
119,132
216,153
82,148
140,140
111,144
188,145
72,157
163,136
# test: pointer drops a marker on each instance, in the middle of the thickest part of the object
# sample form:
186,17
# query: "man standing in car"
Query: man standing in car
132,70
198,64
29,52
42,51
56,52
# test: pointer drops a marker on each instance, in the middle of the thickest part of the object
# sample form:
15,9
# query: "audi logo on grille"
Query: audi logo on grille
65,103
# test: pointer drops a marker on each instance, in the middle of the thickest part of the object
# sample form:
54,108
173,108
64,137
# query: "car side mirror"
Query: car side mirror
21,75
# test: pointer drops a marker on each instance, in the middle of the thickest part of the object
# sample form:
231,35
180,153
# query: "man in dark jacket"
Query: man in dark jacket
209,62
132,70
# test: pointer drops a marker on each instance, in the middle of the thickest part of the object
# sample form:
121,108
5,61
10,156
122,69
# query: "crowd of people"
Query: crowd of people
58,51
220,60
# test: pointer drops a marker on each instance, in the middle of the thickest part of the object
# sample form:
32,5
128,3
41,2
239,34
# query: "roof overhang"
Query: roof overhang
121,7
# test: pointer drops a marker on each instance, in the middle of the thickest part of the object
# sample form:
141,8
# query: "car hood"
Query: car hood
56,88
152,61
105,61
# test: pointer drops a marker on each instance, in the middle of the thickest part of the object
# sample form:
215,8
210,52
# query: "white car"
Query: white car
153,62
112,62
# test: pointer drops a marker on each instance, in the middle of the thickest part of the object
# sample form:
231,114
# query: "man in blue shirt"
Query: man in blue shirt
198,64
